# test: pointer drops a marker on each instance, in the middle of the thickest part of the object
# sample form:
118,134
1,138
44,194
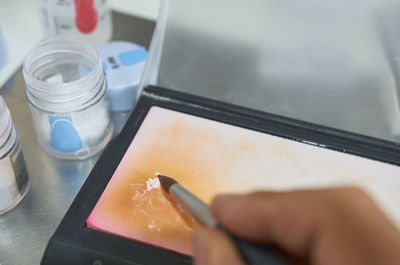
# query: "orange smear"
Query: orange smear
175,148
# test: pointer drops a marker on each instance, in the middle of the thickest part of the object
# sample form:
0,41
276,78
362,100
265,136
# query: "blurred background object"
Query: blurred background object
89,20
388,27
22,26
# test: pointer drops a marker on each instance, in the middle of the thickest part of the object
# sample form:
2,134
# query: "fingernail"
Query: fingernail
200,247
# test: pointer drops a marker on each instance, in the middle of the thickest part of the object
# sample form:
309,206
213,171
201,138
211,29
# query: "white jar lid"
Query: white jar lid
123,64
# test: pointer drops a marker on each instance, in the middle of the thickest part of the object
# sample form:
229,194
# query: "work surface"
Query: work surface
25,231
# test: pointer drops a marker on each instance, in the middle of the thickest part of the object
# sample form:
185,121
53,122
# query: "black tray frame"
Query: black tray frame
75,244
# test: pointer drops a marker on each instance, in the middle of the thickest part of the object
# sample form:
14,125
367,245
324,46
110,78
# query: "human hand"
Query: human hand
313,227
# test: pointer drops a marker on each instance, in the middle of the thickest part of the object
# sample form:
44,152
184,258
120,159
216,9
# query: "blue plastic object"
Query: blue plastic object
123,64
133,56
63,135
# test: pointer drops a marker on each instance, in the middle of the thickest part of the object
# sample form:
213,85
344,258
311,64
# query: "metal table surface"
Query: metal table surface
25,231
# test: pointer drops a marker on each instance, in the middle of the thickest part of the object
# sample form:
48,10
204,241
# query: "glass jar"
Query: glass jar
66,90
14,180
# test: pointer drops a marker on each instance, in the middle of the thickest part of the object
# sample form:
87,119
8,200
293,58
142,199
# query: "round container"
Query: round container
14,180
66,89
123,64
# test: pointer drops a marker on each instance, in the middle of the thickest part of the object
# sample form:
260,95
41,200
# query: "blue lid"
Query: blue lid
123,64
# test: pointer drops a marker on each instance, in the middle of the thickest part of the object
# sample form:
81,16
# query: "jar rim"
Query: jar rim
78,90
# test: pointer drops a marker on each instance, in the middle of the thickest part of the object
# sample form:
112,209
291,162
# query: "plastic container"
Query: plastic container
66,89
14,180
89,20
123,64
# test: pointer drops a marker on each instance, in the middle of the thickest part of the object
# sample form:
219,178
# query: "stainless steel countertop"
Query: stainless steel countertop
25,231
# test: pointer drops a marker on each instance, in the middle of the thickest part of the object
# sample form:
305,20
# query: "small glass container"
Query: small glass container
14,180
66,89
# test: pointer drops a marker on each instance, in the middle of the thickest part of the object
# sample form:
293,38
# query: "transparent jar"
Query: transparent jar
66,89
14,180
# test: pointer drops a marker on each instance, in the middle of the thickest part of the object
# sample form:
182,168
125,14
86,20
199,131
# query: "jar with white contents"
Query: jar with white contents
14,180
66,90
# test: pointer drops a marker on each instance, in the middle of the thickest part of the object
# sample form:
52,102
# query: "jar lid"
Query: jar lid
63,75
123,65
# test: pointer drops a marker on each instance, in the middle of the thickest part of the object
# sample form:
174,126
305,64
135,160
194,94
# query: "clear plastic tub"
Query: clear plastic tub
14,180
66,89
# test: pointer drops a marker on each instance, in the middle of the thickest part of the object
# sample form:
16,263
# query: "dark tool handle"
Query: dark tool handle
256,254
